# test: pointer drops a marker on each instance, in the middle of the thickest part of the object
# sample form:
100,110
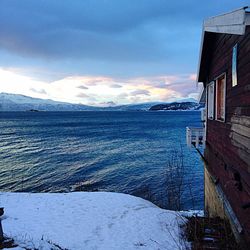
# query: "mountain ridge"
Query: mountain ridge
18,102
175,106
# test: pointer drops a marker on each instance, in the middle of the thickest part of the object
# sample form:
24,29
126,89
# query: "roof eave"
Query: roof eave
234,22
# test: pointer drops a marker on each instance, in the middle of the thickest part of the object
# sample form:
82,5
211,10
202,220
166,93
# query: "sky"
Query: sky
104,52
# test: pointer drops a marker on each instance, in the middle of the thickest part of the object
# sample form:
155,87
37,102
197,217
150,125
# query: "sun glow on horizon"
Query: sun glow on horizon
98,90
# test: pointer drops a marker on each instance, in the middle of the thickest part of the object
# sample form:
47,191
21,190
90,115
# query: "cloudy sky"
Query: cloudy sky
102,51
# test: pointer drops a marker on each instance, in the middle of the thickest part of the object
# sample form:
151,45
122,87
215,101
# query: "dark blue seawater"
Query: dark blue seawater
109,151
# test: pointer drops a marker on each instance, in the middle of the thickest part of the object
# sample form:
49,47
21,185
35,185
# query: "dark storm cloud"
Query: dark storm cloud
111,37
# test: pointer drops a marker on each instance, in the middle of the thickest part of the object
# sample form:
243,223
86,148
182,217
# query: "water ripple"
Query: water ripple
112,151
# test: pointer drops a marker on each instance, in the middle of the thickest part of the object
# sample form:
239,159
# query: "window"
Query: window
234,66
210,101
220,97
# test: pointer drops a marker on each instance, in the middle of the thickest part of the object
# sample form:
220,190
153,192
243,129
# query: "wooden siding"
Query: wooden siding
228,143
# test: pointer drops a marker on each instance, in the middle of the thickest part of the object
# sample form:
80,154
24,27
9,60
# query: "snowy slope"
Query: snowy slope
177,106
14,102
134,107
22,99
85,220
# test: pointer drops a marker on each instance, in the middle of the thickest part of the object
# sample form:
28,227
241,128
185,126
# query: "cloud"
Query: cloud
39,91
116,38
120,51
107,104
122,95
140,92
160,85
82,95
163,88
193,77
82,87
115,86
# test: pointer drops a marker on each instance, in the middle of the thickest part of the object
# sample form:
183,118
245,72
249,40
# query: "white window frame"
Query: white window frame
216,97
210,101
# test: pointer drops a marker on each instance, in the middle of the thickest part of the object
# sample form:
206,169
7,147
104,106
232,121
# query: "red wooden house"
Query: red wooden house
224,70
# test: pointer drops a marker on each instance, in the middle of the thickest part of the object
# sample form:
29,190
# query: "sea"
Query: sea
127,151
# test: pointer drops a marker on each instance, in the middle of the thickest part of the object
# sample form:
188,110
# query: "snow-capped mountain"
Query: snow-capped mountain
177,106
15,102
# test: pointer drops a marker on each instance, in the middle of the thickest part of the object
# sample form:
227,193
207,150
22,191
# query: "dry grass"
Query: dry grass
210,233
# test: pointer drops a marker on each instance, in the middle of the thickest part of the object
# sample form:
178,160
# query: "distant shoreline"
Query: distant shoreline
61,111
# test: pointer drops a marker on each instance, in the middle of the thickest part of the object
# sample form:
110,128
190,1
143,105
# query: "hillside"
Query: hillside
15,102
177,106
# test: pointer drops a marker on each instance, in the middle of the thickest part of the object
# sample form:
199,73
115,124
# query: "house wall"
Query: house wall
228,143
213,205
217,205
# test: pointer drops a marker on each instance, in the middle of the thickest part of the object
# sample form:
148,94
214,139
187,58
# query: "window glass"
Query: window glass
220,98
234,66
210,102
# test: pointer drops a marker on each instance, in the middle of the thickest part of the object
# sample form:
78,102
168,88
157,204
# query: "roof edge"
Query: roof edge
233,22
229,12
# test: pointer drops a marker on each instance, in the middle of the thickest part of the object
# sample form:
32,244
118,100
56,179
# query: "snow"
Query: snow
85,220
190,213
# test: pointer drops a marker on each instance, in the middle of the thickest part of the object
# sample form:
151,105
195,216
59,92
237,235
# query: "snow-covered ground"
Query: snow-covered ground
85,220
